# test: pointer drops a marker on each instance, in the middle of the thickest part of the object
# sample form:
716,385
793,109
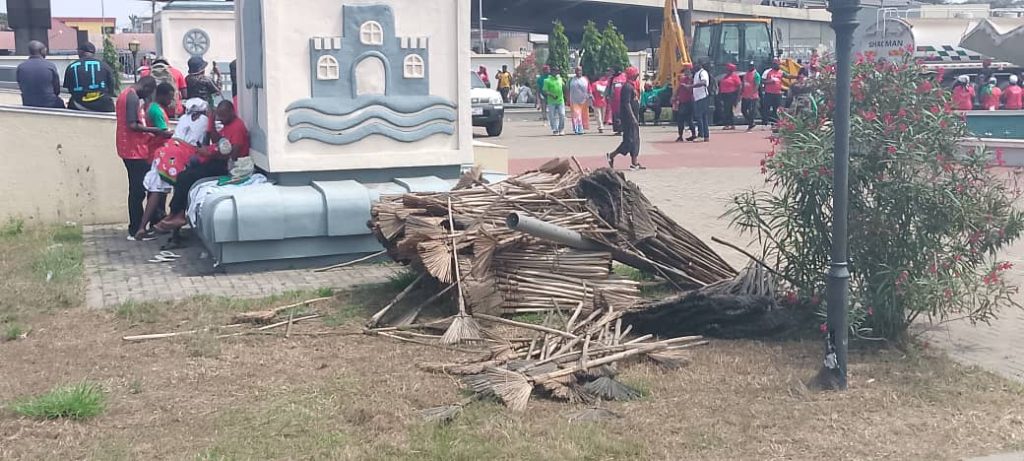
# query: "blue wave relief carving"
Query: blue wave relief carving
342,121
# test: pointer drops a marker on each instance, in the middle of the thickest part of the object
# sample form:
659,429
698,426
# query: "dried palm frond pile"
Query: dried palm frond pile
574,362
505,271
462,240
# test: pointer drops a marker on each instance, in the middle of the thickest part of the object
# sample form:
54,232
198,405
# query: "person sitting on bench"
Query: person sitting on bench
229,143
172,158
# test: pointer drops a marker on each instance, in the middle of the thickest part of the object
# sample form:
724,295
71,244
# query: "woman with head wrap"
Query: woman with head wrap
629,108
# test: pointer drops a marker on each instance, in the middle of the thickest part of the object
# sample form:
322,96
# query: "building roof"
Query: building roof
84,19
62,38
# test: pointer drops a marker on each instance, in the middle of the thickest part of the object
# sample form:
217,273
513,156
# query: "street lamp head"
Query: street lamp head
133,46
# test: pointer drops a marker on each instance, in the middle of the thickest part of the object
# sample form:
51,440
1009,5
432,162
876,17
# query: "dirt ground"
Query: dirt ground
344,395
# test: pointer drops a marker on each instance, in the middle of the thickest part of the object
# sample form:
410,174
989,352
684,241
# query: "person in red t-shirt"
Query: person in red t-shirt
616,102
212,162
729,95
963,93
133,140
1013,95
750,94
682,104
772,81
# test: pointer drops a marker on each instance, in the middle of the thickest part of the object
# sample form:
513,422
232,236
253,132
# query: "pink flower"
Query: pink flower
871,311
824,171
947,293
904,127
891,150
869,116
888,119
999,158
902,112
823,327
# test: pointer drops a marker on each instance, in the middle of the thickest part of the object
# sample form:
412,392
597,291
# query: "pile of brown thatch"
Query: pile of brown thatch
461,240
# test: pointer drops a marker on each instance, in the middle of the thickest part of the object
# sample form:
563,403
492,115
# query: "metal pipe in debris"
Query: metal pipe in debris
548,231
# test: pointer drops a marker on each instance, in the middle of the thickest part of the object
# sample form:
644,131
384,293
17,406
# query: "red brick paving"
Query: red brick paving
727,149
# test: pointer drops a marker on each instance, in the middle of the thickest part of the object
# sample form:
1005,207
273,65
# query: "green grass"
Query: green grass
41,269
13,228
78,401
135,312
401,280
471,437
12,331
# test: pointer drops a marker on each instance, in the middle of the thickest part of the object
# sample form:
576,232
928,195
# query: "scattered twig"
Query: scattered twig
350,263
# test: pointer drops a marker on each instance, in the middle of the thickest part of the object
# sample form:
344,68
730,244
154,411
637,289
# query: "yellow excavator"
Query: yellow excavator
718,42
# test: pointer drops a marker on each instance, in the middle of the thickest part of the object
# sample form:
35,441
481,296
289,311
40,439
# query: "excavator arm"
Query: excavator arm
672,52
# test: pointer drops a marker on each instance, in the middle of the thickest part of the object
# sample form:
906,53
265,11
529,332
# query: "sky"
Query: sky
92,8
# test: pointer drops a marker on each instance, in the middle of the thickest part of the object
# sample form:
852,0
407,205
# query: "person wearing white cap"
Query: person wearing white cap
963,93
991,95
1013,95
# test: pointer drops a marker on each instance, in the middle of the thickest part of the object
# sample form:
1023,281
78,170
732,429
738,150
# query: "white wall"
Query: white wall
219,25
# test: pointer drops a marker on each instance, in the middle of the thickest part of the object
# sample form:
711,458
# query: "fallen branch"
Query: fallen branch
137,338
528,326
350,263
268,315
380,314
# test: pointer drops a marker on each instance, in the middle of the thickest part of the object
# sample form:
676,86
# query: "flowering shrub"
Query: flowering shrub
927,217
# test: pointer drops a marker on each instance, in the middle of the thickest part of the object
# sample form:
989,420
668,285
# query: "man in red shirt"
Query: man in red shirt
133,140
1013,95
682,103
750,94
230,143
728,95
163,67
772,81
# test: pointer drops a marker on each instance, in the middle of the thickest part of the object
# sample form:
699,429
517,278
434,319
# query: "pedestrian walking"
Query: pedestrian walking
598,101
772,81
542,100
701,101
629,105
618,81
751,87
504,78
554,90
579,99
729,95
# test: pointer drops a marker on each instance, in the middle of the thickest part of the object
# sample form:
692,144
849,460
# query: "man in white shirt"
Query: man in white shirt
701,101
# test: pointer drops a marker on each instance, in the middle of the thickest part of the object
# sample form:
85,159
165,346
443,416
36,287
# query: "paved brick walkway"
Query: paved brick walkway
117,271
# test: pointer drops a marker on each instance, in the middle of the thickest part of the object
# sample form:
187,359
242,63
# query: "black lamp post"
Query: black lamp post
844,22
133,46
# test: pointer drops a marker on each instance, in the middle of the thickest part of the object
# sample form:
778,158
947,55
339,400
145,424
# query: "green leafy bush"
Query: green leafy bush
927,217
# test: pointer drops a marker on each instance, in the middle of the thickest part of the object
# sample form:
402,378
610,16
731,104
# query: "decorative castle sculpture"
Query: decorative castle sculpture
369,82
383,89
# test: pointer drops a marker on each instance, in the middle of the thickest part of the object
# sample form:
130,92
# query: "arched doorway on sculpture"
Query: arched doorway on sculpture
371,74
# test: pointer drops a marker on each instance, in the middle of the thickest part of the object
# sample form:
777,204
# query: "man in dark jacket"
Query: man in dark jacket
90,81
38,79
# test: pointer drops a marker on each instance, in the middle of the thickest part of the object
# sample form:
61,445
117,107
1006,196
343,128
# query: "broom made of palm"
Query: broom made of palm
463,327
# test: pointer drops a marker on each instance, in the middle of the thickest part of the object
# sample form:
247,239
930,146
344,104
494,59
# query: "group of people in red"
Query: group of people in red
988,95
161,160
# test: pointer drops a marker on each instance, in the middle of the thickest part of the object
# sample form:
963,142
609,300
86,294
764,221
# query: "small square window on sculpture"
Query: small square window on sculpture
414,66
371,33
327,68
